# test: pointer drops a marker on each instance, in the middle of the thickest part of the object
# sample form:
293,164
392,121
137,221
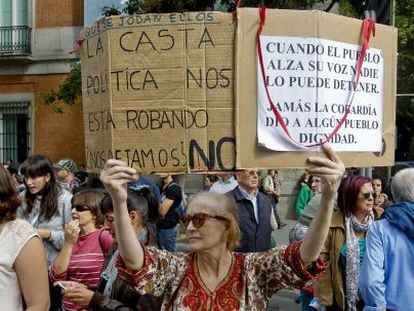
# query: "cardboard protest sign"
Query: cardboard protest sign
309,63
158,91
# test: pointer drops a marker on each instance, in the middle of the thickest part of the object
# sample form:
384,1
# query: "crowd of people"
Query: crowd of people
68,242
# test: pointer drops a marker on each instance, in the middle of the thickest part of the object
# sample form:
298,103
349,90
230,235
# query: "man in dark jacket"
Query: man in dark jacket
113,293
254,213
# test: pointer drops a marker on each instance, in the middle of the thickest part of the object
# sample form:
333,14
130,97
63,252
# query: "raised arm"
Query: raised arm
165,206
61,264
330,170
115,176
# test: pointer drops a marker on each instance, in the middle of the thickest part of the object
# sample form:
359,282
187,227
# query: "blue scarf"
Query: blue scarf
401,215
111,272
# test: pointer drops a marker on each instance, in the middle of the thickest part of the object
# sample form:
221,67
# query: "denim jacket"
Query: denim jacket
56,224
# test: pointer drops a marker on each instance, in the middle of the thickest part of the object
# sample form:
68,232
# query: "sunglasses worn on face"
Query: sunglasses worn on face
81,207
198,219
367,195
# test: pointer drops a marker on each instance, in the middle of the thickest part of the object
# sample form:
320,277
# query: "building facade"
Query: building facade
35,38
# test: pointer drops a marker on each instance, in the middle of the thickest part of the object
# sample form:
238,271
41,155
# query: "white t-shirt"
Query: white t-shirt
13,238
221,186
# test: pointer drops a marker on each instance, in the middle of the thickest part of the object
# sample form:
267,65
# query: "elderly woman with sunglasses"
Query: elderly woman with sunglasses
211,276
344,249
86,243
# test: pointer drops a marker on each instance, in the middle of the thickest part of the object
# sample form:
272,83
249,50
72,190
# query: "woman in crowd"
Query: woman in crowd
17,179
306,193
207,182
113,293
46,206
300,228
20,251
297,233
86,244
211,275
345,246
381,201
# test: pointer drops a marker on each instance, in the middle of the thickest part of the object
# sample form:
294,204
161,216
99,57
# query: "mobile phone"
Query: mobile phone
60,284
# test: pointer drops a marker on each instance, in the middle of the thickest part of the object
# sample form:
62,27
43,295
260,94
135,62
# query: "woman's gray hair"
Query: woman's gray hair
402,185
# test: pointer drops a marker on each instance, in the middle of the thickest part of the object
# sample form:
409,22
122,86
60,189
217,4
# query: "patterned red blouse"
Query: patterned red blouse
252,279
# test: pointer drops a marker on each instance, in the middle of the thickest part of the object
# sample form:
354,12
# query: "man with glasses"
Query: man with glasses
254,213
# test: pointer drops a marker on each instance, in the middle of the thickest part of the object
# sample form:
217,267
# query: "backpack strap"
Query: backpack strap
100,241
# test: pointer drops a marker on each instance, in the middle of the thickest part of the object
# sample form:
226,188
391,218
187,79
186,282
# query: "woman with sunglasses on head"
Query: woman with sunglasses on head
86,244
20,250
212,276
344,248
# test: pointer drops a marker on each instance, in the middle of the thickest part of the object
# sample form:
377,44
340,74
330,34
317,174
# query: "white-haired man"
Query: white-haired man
387,272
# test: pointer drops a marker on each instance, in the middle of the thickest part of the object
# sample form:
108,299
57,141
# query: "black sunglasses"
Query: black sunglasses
81,207
367,195
198,219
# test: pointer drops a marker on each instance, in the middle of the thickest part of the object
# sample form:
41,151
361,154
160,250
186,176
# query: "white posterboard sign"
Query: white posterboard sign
311,82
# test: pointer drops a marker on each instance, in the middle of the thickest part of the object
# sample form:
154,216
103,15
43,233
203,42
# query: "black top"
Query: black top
81,176
173,192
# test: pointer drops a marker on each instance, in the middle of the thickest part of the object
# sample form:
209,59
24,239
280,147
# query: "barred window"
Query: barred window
14,131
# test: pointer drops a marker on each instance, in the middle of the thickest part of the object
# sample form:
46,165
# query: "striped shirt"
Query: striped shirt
85,263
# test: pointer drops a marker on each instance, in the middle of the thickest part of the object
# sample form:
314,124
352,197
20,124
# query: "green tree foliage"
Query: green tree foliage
111,10
131,7
159,6
348,8
68,91
404,21
278,4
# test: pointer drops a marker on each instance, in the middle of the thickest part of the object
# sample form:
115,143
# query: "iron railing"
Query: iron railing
15,40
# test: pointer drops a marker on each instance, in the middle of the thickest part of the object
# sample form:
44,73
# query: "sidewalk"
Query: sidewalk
284,300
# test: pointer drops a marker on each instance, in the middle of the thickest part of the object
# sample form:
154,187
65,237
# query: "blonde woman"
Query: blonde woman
212,275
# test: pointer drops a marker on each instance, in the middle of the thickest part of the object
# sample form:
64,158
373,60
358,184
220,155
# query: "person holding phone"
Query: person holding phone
86,243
